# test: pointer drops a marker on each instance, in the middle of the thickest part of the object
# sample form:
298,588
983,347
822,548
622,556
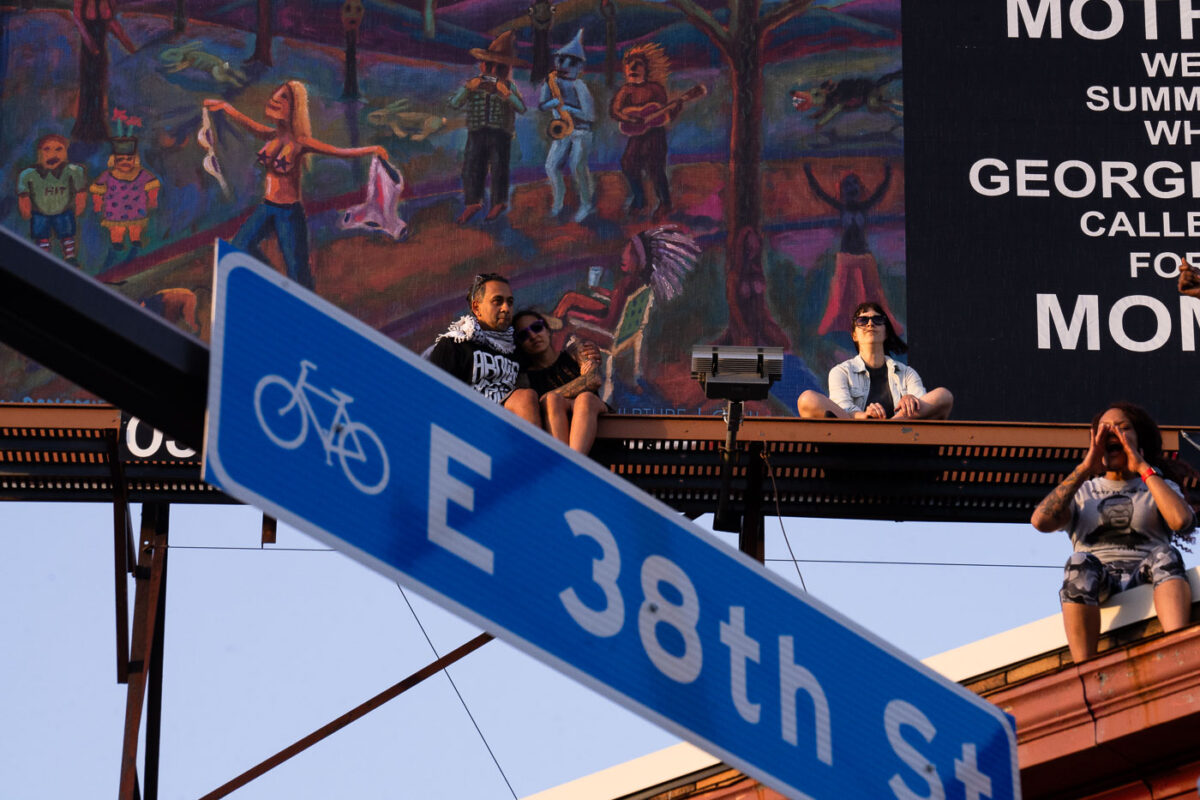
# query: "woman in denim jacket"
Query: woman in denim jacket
871,385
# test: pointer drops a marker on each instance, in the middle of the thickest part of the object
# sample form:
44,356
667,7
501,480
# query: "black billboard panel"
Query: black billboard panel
1053,187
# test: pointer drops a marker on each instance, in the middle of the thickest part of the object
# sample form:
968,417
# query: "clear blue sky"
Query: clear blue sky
263,647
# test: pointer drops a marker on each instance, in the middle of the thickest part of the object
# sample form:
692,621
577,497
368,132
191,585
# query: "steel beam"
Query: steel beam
122,554
353,714
152,550
154,690
99,339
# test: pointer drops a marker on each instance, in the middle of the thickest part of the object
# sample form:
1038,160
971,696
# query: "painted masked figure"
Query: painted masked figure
125,194
567,96
492,103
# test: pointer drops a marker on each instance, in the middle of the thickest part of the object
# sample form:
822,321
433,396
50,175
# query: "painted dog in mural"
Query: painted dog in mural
832,98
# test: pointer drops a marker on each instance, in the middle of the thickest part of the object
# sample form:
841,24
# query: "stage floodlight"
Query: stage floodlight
735,372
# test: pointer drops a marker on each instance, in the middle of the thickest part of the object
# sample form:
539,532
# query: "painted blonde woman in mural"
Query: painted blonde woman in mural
288,140
872,385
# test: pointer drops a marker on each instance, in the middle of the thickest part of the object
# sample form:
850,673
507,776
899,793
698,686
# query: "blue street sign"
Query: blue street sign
329,425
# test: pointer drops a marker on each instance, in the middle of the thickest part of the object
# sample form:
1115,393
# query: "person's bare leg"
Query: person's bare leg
524,403
1173,602
584,420
1082,624
558,423
814,405
937,404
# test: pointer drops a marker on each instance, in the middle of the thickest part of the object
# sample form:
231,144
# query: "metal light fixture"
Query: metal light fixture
734,374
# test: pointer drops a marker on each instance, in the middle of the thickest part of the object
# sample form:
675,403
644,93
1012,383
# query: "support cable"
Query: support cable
915,563
779,516
791,560
457,692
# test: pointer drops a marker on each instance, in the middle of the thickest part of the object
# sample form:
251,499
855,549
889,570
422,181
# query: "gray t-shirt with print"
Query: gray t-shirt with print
1117,520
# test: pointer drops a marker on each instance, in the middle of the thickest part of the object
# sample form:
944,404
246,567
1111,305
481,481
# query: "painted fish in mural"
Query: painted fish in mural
190,56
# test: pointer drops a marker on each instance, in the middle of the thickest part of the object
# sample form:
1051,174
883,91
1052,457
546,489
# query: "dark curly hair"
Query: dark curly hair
892,343
1150,441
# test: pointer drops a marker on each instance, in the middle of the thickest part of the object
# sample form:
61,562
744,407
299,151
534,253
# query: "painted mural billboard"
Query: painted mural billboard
384,153
1053,189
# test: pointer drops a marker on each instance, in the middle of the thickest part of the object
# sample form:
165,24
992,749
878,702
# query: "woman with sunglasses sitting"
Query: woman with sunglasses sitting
565,382
871,385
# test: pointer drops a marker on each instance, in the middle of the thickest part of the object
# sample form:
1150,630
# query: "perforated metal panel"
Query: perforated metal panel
65,454
982,472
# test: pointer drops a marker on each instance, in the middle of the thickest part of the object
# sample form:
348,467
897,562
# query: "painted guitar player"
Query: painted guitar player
642,109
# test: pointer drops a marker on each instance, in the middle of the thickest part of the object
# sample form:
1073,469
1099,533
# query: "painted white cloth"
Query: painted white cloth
207,137
381,210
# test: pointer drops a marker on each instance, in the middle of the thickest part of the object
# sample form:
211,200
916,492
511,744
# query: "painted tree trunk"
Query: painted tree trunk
262,34
541,55
750,321
91,110
350,85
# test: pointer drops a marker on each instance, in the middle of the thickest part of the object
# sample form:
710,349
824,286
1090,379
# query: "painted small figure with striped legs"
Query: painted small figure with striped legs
51,194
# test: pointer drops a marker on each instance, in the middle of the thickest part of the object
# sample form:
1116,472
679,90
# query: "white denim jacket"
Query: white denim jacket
850,383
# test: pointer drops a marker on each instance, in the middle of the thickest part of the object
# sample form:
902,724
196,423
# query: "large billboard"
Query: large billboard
137,132
1053,189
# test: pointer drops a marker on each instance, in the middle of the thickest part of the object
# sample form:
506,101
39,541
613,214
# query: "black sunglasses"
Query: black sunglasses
525,333
862,319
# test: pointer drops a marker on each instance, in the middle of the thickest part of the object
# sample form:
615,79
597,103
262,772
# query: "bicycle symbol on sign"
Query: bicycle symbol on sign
358,448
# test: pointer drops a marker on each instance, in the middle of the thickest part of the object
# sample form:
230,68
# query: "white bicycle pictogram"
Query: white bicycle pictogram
285,421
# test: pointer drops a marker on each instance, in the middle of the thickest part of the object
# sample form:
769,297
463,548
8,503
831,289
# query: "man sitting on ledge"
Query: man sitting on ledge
478,349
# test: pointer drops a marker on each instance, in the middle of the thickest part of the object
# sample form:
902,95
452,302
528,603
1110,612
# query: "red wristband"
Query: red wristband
1148,471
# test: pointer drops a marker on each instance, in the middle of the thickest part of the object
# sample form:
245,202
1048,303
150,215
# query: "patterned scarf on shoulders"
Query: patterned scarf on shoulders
467,328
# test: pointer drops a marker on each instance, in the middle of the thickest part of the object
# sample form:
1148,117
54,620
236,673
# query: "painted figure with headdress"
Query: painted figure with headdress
659,258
